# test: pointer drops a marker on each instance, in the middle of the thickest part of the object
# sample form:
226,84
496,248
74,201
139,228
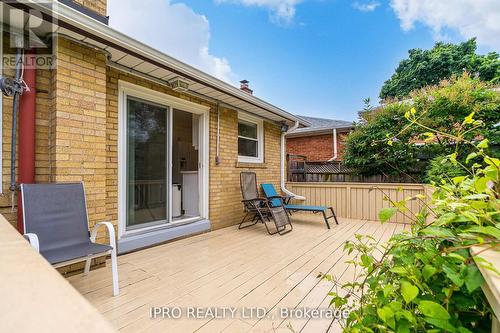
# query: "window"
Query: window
250,139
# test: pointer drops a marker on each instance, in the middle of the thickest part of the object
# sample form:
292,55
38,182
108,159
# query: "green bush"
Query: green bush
441,169
388,144
426,280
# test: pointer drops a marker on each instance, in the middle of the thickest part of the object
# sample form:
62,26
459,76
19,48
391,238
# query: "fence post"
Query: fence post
349,208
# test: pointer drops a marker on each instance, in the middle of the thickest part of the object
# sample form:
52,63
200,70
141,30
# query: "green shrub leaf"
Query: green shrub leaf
408,291
387,316
441,323
428,271
473,279
386,213
433,310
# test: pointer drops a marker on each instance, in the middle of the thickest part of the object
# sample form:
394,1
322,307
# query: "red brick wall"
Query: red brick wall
317,148
341,138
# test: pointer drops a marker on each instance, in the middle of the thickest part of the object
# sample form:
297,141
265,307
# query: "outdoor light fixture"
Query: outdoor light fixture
284,127
10,86
179,84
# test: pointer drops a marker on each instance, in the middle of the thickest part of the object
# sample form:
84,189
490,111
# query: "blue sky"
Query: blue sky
317,58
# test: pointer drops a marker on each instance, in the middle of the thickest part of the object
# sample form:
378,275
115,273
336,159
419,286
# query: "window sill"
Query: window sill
251,165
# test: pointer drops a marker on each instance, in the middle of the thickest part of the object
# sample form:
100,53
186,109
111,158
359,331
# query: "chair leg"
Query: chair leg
326,220
252,222
334,216
286,230
87,266
114,272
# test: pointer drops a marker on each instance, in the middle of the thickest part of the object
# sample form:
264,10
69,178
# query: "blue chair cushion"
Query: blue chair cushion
270,191
306,208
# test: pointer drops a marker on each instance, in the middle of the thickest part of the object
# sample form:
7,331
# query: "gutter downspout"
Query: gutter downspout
335,152
217,153
283,166
27,109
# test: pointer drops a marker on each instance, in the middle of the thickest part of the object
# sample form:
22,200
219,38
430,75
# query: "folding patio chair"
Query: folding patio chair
272,195
259,210
56,225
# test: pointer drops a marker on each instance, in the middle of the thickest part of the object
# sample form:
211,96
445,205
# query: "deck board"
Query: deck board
231,267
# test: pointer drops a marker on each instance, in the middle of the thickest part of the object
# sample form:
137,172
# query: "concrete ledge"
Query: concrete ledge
35,297
169,232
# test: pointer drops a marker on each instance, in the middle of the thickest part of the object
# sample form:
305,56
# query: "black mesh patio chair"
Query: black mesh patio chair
259,209
56,225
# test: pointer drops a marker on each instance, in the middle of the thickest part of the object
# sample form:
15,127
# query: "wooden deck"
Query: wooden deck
231,268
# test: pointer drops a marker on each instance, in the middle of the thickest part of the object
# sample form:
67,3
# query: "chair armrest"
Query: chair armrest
111,233
33,240
275,197
255,199
279,197
287,198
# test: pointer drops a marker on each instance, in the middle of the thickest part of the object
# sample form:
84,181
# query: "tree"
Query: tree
410,148
429,67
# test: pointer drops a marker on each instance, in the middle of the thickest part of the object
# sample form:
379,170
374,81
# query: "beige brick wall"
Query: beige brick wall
224,188
98,6
225,194
77,126
77,138
78,123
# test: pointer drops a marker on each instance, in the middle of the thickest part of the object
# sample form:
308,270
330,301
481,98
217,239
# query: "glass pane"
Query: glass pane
247,147
247,130
147,164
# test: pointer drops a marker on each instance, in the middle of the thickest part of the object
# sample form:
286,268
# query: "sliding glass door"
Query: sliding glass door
147,163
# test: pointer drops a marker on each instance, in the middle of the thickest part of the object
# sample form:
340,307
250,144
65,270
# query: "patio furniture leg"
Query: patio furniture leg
286,231
254,221
334,216
114,260
114,271
326,220
281,231
86,270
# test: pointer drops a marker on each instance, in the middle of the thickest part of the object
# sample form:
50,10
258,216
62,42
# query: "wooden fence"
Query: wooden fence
360,200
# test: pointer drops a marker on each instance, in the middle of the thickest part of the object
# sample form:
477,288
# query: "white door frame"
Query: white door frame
126,89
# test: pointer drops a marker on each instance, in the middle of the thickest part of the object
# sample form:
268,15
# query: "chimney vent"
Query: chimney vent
244,86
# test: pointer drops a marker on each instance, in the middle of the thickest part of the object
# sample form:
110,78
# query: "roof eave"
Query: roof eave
319,131
102,32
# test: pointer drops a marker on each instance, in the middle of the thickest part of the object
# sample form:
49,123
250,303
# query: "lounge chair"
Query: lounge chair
271,194
258,209
56,225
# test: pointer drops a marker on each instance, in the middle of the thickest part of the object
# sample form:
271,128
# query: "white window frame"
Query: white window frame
126,89
260,138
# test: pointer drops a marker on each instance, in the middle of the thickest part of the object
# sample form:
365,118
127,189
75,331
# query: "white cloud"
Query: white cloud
366,7
470,18
282,11
173,28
